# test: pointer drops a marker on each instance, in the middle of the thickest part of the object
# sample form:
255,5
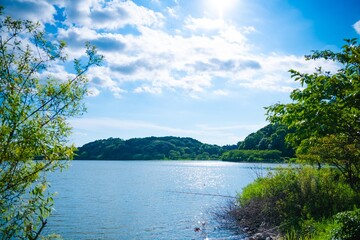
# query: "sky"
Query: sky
189,68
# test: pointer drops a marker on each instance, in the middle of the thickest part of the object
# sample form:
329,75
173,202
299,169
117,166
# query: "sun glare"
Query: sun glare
220,7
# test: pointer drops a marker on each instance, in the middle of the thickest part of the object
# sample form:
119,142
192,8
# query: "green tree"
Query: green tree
251,141
33,126
149,148
325,113
270,137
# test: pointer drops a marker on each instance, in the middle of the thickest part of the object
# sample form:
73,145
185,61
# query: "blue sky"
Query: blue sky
190,68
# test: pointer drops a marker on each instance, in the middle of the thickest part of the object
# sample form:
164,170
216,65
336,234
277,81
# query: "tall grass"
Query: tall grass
300,201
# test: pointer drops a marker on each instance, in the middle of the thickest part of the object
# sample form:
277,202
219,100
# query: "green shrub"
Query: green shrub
252,155
293,197
348,227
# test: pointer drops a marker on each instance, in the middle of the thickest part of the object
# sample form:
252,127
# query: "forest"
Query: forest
150,148
266,145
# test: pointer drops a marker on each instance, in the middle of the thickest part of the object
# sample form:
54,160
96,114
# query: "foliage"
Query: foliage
270,137
149,148
312,230
173,148
325,113
252,156
348,227
33,113
265,145
324,128
293,197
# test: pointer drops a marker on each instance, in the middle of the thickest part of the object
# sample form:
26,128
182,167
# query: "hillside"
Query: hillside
149,148
270,137
265,145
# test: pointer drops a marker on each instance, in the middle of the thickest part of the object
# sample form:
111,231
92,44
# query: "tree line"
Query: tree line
266,145
150,148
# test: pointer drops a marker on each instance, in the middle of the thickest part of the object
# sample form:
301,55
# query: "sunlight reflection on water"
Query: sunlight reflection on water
145,199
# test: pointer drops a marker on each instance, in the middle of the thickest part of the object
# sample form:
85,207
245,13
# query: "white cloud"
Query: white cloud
249,29
34,10
148,89
208,134
172,12
196,24
274,72
75,39
158,59
57,71
109,14
102,77
357,27
233,35
93,92
220,92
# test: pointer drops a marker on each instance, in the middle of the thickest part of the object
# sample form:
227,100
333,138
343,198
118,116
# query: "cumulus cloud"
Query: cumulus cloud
156,60
220,92
141,50
172,12
148,89
274,72
357,27
108,44
109,14
208,24
93,92
75,37
219,65
102,78
34,10
56,71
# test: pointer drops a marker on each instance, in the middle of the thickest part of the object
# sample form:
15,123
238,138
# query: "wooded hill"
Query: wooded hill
150,148
267,145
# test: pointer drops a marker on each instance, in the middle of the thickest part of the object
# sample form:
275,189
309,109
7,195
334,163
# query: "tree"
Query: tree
148,148
270,137
33,126
251,141
325,113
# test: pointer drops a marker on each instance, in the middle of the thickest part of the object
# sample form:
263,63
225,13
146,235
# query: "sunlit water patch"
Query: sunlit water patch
146,199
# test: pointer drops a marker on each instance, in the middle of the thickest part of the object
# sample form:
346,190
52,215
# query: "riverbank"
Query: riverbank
298,202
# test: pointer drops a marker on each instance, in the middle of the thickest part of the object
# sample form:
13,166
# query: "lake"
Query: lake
146,199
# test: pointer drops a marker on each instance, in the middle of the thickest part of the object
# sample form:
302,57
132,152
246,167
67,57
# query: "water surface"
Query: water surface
146,199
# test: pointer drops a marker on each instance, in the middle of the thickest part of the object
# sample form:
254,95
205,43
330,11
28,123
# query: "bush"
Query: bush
252,156
292,197
348,227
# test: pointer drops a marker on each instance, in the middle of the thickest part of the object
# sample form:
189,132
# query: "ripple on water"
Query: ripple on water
144,199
